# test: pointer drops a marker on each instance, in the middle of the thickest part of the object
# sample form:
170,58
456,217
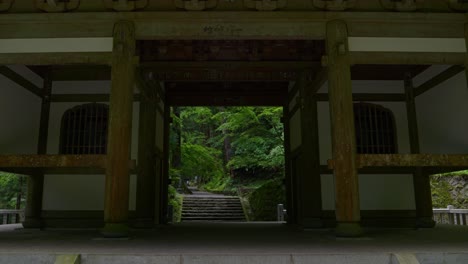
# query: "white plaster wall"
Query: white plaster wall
19,119
377,192
295,131
443,117
80,192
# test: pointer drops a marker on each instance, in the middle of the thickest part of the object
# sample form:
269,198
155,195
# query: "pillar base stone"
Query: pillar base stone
115,230
143,223
425,222
348,229
33,222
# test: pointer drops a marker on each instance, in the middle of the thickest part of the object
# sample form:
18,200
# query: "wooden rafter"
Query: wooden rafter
20,80
409,160
438,79
410,58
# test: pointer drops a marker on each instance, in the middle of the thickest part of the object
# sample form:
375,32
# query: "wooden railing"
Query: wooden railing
450,215
11,216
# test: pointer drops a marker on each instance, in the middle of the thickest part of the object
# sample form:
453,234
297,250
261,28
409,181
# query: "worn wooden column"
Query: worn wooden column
35,190
310,183
120,124
422,186
343,131
146,158
289,181
466,54
165,166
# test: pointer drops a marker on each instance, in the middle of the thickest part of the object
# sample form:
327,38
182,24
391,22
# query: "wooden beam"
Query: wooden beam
343,131
52,161
20,80
319,80
120,129
232,24
368,97
409,160
230,65
81,73
414,58
62,58
67,98
438,79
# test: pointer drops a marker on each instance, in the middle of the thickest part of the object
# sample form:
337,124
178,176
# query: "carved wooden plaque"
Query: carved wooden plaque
195,5
56,6
265,5
125,5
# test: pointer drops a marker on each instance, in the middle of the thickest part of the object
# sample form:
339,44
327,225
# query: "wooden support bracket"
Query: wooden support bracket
334,5
5,5
125,5
56,6
265,5
56,161
402,5
195,5
408,160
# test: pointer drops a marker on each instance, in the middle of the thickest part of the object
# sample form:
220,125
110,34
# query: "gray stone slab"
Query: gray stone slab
442,258
15,258
237,259
343,259
130,259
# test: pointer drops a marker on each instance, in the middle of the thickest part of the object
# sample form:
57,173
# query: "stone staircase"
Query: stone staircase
212,208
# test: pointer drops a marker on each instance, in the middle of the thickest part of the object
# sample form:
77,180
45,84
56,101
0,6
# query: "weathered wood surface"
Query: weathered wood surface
342,123
52,161
438,79
414,58
20,80
62,58
408,160
421,182
310,177
145,202
232,24
120,124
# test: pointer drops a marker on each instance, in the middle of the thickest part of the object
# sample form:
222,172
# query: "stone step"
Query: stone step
210,210
214,214
220,218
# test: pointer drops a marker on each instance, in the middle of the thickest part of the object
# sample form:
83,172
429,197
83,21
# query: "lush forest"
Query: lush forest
222,148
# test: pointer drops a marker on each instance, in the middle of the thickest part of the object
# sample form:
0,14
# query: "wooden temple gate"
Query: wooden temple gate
335,30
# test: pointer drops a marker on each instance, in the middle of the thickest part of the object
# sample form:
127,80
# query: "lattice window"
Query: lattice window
84,129
375,129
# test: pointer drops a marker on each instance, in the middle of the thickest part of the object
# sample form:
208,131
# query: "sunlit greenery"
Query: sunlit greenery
12,188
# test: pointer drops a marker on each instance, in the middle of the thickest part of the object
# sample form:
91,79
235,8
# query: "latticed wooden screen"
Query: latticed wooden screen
84,129
375,129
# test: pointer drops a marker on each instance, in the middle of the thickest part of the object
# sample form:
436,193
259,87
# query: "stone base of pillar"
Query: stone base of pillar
143,223
311,223
115,230
348,229
425,222
33,222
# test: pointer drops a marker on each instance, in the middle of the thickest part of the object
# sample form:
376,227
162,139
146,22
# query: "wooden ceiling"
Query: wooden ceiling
230,72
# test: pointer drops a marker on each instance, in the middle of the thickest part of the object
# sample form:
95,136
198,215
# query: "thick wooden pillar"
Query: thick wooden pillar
343,131
466,55
120,123
422,186
145,202
310,182
36,181
165,166
289,180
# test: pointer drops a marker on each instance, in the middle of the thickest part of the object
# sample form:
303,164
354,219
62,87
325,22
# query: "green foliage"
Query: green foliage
441,197
10,186
176,201
218,141
263,201
201,161
450,189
